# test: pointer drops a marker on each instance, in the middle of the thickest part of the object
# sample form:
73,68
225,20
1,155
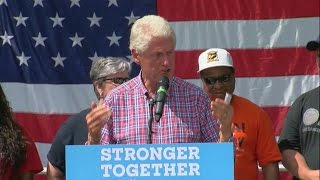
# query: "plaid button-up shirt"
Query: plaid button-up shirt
186,116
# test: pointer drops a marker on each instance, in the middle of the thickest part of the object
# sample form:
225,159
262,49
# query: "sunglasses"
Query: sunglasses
117,80
220,79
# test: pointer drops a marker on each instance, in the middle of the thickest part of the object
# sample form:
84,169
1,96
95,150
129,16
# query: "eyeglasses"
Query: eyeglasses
116,80
220,79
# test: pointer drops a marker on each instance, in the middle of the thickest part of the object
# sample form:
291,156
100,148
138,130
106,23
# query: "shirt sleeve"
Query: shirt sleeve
267,148
289,137
32,162
107,130
209,125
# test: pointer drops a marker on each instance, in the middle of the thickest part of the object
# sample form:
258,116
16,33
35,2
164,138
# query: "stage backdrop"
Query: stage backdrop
47,47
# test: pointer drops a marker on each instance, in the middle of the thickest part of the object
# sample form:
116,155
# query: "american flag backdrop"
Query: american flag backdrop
47,47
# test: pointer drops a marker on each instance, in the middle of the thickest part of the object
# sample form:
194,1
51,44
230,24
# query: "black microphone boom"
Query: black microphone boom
161,96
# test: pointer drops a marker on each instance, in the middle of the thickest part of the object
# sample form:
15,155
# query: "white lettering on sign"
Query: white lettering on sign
152,153
156,169
150,161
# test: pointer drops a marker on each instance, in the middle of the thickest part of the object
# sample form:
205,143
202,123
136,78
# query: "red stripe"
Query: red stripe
255,62
41,127
193,10
277,115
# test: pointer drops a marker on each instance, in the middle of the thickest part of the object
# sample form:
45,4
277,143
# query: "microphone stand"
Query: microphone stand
151,104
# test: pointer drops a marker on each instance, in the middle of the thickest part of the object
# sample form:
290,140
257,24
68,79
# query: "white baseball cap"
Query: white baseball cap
214,57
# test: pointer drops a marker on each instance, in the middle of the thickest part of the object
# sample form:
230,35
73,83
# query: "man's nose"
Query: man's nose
166,59
217,85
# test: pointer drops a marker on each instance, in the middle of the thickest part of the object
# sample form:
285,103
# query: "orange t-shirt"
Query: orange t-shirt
258,145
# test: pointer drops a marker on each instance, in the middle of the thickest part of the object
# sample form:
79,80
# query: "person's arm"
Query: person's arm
271,171
267,151
54,173
296,164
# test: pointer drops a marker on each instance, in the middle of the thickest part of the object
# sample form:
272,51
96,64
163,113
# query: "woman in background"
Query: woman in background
19,158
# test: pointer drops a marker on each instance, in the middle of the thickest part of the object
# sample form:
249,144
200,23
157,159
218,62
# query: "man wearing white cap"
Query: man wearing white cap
252,129
299,141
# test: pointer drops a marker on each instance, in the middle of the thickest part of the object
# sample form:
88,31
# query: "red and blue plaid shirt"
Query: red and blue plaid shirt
186,116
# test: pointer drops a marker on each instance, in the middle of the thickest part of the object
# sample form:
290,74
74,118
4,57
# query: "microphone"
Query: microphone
163,86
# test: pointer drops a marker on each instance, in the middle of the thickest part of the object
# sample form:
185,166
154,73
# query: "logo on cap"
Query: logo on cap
212,56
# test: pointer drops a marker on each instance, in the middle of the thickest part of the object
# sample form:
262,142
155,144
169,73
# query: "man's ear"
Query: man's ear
135,56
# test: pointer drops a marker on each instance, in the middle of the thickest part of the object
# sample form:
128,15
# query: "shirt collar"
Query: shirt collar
144,89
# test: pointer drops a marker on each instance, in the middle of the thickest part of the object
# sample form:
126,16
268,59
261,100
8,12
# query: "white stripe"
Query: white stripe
276,91
43,149
60,99
243,34
49,99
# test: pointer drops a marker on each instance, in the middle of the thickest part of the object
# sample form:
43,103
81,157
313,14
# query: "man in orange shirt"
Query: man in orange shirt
252,130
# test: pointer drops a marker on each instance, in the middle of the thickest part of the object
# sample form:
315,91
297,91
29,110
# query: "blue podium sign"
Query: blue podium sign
150,161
